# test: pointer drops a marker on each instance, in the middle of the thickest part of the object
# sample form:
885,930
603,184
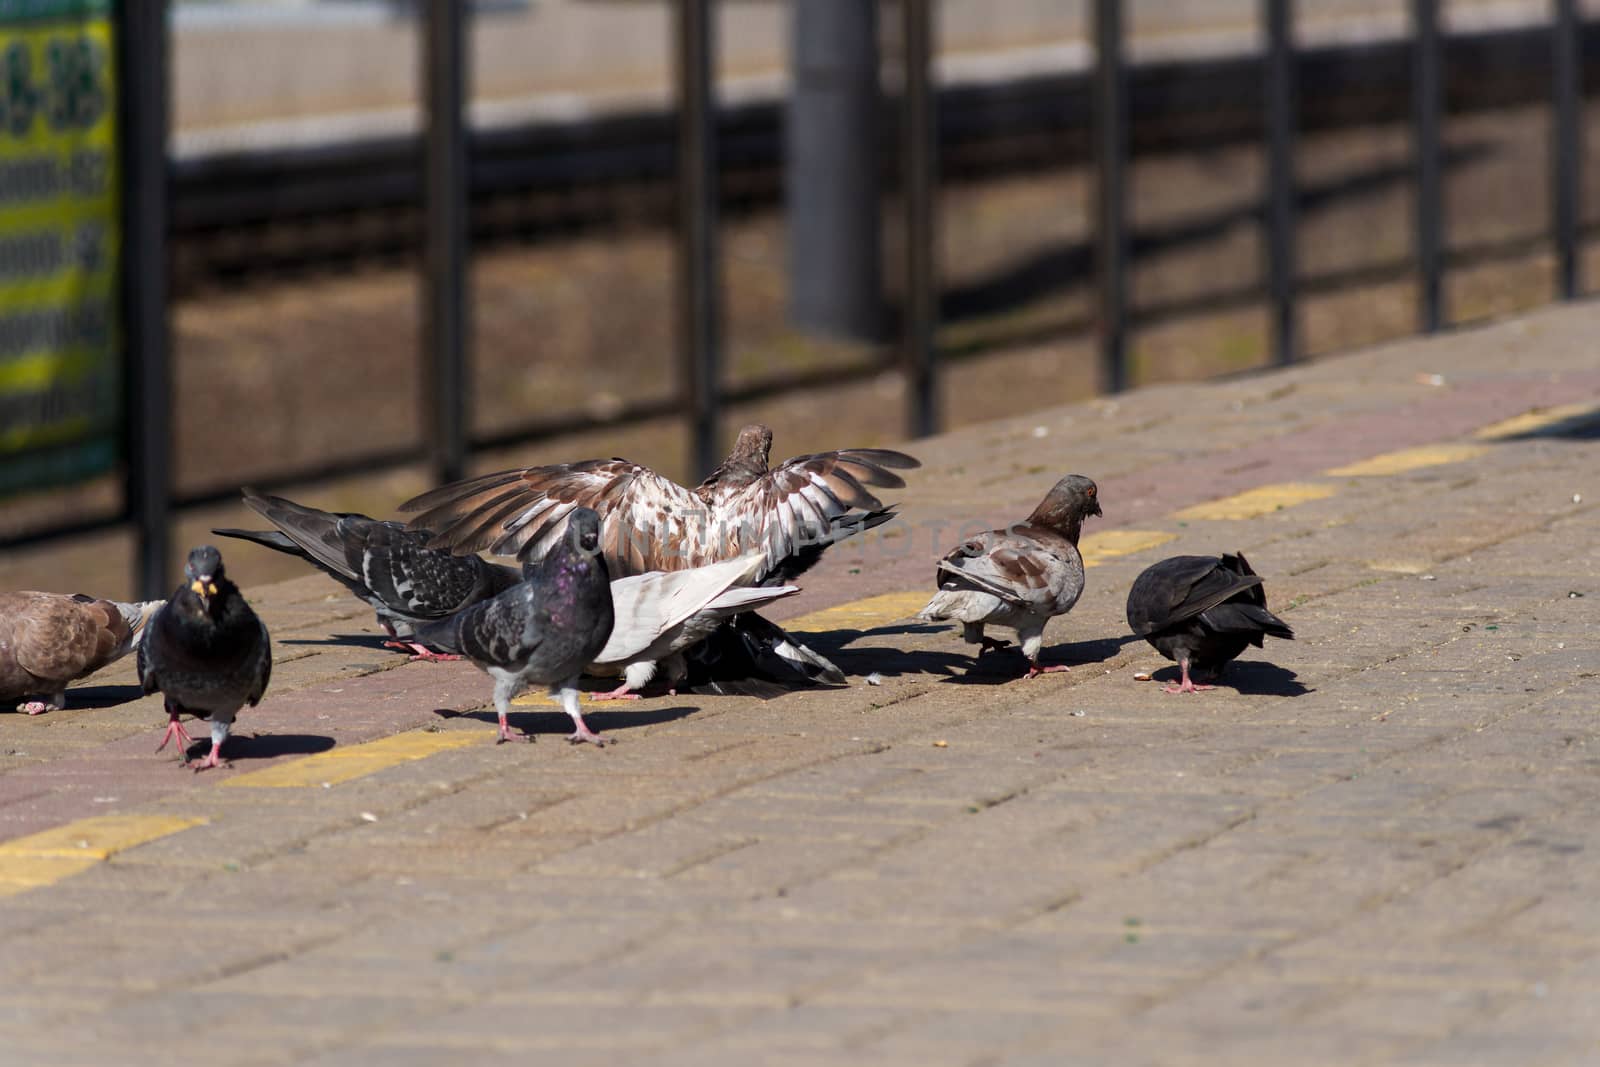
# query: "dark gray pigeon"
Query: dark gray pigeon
542,630
1202,611
207,653
383,563
1020,576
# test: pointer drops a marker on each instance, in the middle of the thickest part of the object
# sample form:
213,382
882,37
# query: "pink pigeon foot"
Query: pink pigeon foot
35,707
507,735
1186,686
421,652
175,729
583,733
621,692
214,759
1034,670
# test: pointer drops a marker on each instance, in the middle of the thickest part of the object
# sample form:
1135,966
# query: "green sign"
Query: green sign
59,243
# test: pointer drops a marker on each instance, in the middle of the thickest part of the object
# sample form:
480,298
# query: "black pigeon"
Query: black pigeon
383,563
1202,611
206,652
542,630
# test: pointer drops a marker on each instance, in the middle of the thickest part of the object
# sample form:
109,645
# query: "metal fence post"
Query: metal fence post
1425,103
920,160
446,326
1567,146
1111,150
1281,120
699,289
144,101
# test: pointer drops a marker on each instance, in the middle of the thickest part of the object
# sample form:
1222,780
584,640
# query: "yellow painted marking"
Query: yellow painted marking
1109,544
1409,459
51,855
356,761
1532,422
1256,502
863,614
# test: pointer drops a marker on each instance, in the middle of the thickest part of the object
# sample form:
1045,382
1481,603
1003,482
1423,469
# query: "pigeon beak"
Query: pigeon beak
204,586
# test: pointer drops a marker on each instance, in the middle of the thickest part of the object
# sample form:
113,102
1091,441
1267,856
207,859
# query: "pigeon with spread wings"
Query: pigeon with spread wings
790,514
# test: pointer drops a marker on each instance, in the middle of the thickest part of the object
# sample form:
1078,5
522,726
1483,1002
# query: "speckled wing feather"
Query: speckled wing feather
1031,570
651,523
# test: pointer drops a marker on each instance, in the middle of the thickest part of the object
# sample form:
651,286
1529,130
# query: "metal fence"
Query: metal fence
149,499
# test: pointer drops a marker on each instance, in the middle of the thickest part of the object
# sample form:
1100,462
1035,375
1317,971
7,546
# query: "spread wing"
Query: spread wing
647,522
792,513
650,523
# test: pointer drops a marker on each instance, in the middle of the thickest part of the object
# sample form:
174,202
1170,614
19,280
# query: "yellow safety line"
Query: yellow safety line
1109,544
1253,503
1531,423
51,855
356,761
1409,459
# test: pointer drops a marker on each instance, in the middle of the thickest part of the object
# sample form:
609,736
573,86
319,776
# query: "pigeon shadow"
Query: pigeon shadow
1248,678
263,746
1008,664
612,716
372,641
102,696
886,660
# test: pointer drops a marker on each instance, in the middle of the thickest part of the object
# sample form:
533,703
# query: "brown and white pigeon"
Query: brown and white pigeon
1021,576
1202,611
791,514
542,630
50,639
660,614
383,563
206,652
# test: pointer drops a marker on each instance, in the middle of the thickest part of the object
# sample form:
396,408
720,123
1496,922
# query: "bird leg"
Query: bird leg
421,652
1186,686
175,729
568,693
621,692
219,734
53,702
1034,670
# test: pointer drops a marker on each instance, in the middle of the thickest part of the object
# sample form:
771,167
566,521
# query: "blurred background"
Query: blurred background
297,224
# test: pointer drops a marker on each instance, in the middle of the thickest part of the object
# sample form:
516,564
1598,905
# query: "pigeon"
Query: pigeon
660,614
50,639
383,563
206,652
1019,576
1202,611
791,514
542,630
751,656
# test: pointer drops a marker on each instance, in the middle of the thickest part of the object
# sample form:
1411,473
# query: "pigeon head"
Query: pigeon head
203,571
754,443
583,531
1070,501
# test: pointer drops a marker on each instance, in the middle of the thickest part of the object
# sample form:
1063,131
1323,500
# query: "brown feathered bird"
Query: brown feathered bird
1020,577
50,639
791,513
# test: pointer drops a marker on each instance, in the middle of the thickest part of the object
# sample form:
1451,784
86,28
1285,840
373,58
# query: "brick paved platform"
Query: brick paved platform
1372,846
